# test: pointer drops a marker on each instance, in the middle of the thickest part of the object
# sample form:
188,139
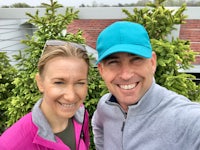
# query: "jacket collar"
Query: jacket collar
44,129
147,103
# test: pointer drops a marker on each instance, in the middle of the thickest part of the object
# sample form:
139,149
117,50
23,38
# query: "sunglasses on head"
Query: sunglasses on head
62,43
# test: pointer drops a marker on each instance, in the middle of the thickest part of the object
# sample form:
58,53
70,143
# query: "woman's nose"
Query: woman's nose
70,93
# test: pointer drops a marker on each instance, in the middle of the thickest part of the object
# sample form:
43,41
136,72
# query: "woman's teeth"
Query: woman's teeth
67,105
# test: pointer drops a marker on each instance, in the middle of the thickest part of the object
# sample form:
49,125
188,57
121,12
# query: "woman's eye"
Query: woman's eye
58,82
81,83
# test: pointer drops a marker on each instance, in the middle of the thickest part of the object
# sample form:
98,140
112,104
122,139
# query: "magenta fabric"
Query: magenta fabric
23,135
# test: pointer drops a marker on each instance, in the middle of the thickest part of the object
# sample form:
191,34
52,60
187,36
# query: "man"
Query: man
138,114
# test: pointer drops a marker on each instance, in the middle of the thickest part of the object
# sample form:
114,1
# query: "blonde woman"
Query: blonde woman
58,120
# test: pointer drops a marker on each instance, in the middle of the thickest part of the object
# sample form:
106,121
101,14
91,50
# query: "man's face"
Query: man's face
127,76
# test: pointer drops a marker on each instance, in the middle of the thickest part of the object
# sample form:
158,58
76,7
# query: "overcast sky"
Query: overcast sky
75,3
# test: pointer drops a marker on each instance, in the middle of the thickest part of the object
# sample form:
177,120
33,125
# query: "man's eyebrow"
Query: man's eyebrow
109,58
129,54
113,56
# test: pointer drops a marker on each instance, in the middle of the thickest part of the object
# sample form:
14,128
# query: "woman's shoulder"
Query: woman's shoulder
21,128
24,123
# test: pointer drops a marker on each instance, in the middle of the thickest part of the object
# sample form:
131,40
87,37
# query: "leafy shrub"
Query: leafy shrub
49,26
7,75
96,89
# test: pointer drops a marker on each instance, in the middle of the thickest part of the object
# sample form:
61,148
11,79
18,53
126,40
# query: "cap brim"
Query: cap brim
139,50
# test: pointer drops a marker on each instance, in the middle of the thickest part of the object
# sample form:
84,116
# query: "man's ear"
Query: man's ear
100,65
39,82
154,61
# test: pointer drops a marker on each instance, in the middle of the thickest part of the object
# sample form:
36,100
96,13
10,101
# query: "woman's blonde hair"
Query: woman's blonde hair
56,48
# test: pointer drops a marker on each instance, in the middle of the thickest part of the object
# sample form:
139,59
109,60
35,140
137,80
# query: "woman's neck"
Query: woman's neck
57,124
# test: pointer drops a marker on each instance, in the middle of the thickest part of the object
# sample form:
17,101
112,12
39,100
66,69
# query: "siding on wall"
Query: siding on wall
11,34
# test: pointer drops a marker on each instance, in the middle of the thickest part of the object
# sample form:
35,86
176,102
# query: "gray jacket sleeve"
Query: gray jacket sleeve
97,131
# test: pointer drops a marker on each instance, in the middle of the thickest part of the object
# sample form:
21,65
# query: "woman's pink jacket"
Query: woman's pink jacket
32,132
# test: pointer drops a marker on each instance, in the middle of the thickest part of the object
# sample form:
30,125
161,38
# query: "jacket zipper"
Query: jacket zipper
122,128
125,116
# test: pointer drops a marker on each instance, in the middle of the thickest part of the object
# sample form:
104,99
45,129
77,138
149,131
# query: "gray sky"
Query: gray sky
75,3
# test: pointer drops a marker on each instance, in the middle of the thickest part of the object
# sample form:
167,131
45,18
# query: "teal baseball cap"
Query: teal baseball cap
123,36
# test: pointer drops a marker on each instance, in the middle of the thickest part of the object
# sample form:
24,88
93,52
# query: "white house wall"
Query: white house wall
11,34
13,26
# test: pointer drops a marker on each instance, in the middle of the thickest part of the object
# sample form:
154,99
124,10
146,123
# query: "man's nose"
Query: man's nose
126,72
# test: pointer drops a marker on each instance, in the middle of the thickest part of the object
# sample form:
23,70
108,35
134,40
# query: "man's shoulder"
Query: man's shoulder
166,93
105,97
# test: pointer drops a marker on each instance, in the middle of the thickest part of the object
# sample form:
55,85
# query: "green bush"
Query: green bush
49,26
7,75
96,89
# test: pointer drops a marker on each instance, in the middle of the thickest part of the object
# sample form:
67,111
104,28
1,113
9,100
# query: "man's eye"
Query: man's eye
136,59
112,62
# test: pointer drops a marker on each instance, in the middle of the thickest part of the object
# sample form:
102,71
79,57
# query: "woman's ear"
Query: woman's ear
39,82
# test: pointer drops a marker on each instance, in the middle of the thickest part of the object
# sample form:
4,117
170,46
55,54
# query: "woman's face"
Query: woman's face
64,86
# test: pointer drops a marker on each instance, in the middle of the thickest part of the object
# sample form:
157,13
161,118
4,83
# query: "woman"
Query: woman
59,120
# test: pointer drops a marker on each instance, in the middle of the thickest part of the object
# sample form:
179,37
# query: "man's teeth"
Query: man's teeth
127,87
